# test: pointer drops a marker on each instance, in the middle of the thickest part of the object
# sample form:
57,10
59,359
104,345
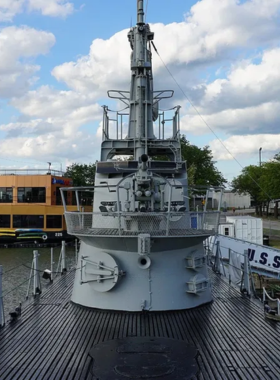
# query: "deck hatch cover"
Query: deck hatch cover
143,358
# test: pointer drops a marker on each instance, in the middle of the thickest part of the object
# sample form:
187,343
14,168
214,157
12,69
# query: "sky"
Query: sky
59,58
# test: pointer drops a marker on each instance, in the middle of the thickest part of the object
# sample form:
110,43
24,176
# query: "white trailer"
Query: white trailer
246,228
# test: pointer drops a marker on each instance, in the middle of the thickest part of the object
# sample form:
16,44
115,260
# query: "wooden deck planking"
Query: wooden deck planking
53,337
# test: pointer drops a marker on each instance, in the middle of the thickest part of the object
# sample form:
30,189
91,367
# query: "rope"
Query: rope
42,271
10,291
18,286
23,264
268,296
205,122
10,270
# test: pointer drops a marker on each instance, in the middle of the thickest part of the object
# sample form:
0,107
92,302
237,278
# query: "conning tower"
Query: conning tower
141,246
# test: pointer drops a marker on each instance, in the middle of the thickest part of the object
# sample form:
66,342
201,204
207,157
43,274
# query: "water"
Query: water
17,263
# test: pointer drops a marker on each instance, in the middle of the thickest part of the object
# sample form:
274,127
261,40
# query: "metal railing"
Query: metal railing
57,173
33,280
133,223
266,296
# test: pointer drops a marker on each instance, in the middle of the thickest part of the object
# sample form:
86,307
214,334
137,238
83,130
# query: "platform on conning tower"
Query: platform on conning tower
55,339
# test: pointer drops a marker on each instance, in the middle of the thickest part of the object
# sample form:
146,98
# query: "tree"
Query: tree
201,168
270,181
81,174
249,181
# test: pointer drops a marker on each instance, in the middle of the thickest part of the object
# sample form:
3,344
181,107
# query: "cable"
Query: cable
108,109
42,271
205,122
10,270
18,286
146,12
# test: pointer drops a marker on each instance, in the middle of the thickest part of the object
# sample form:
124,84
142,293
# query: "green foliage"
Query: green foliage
201,168
270,181
249,181
261,182
81,174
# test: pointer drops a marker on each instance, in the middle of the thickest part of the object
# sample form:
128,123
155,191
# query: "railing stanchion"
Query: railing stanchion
36,275
63,260
76,250
2,320
245,282
52,262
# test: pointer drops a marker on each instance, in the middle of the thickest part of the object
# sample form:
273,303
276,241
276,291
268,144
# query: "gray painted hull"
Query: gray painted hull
161,284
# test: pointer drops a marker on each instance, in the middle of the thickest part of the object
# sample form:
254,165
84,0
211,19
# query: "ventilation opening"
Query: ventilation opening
144,262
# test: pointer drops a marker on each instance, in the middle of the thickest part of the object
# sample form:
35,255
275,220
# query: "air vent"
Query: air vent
197,284
194,262
144,244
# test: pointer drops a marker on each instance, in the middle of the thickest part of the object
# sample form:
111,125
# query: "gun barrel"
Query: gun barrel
140,12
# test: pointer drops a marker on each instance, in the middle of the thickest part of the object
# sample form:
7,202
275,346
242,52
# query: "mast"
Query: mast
140,12
141,90
142,103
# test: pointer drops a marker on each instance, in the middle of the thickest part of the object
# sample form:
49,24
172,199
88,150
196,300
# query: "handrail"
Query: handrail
34,275
265,294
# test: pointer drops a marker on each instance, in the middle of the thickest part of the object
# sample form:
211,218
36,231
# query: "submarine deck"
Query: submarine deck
53,337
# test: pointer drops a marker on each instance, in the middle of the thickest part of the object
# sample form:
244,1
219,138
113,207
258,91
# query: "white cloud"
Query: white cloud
48,102
49,147
50,126
247,84
245,146
18,45
35,126
243,101
106,66
53,8
9,8
246,120
212,30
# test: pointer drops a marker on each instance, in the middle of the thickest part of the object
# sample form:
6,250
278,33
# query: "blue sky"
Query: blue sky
61,56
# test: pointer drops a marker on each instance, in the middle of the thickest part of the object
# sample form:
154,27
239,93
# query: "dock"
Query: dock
56,339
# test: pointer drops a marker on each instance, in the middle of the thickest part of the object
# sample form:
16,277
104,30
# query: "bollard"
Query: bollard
1,299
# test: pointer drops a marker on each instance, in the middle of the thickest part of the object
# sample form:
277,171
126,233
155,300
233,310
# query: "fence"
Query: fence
131,224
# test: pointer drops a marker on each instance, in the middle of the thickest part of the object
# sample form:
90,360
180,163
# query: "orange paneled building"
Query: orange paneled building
31,206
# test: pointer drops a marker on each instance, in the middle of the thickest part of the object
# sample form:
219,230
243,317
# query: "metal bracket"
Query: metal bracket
101,271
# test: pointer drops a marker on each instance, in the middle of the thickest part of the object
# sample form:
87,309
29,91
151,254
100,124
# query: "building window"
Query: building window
54,221
5,221
85,198
28,221
58,199
6,195
227,231
31,194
